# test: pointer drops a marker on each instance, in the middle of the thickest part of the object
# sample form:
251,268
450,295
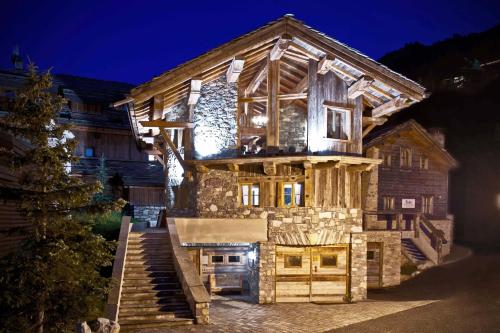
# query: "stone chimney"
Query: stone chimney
437,134
16,59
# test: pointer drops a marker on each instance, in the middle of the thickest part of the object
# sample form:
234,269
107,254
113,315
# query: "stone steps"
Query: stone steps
413,250
152,296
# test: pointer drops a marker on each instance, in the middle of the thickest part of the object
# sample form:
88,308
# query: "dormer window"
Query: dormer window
338,122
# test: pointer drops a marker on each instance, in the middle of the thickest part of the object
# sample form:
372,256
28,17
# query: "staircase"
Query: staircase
151,293
412,250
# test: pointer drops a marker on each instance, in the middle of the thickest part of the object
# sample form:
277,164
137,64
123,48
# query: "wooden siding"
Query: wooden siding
413,182
112,146
147,196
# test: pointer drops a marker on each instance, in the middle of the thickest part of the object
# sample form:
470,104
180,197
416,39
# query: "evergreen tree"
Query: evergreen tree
53,279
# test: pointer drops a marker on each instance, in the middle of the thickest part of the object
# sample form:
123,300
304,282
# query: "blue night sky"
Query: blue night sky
132,41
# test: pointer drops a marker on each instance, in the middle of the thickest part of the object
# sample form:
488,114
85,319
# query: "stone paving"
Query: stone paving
233,315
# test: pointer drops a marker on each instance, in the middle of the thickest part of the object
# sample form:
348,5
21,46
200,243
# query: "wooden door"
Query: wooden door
329,273
374,263
311,274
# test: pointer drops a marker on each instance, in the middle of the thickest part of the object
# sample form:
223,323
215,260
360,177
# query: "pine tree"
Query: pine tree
53,279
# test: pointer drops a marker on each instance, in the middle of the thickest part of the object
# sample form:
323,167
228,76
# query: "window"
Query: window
389,203
292,194
250,194
328,260
387,160
405,158
370,255
89,152
427,204
338,123
217,259
293,261
424,163
234,259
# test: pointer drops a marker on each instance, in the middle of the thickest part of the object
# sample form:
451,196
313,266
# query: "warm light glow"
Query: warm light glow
205,147
252,255
259,120
498,201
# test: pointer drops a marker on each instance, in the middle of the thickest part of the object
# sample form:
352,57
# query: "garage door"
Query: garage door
374,263
311,274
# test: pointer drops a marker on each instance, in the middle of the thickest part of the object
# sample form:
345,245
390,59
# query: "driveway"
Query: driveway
460,297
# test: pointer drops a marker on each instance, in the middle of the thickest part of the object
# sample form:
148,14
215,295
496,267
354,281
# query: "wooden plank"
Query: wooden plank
280,47
167,139
264,99
235,69
308,185
325,65
166,124
312,107
390,107
273,112
359,87
269,168
194,92
257,79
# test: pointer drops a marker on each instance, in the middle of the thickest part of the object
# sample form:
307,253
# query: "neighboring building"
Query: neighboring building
103,132
262,143
412,190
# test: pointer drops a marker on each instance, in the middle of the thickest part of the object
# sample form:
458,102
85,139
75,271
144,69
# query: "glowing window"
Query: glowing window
292,261
293,194
424,163
89,152
405,158
427,204
328,260
250,194
389,203
338,123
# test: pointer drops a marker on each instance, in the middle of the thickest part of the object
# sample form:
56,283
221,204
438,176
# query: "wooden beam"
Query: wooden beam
169,142
156,111
201,168
159,159
233,167
269,168
389,107
301,49
373,120
368,129
299,88
339,70
360,167
308,184
264,99
280,47
359,87
326,165
325,64
257,79
235,69
166,124
194,92
273,111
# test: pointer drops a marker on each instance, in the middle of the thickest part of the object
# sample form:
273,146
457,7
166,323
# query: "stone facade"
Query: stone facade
148,214
391,255
215,131
217,197
293,128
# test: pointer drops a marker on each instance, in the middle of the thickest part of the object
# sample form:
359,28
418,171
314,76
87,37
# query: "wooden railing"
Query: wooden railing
114,296
390,221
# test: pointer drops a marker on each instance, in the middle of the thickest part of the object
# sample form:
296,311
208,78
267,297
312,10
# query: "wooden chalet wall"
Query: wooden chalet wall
412,183
10,218
329,87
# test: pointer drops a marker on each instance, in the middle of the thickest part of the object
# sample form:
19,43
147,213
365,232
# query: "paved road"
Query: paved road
468,294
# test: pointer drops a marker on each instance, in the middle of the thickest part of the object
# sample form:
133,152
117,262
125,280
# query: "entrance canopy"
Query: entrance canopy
215,231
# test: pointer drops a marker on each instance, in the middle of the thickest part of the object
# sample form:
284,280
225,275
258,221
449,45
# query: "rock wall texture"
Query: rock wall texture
391,255
148,214
217,197
293,128
215,131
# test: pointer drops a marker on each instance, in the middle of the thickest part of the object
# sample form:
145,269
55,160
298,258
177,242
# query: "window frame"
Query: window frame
85,151
250,194
286,263
240,261
217,263
387,160
408,159
391,200
293,194
424,163
328,266
347,128
428,202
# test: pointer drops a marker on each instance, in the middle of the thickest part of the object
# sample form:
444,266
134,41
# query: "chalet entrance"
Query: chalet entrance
312,273
374,264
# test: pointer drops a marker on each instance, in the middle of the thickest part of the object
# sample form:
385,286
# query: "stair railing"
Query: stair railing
113,303
433,236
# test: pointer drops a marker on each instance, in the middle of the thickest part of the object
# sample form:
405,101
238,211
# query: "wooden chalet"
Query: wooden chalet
412,190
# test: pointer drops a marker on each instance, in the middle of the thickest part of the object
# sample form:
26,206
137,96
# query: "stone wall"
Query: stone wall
293,128
358,267
391,255
147,214
215,131
217,197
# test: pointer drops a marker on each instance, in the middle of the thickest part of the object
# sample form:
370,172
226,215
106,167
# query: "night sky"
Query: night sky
132,41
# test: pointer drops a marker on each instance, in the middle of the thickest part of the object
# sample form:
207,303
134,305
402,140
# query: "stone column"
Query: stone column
358,267
267,271
370,189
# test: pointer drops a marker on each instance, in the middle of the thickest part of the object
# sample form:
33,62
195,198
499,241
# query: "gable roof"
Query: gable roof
349,64
379,137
